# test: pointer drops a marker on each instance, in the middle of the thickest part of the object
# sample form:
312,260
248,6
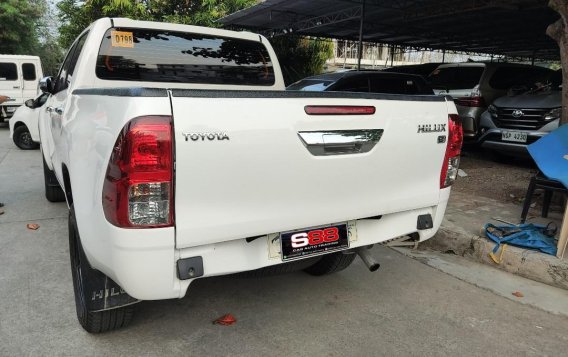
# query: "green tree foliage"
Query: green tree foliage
19,22
76,15
24,30
301,57
51,55
196,12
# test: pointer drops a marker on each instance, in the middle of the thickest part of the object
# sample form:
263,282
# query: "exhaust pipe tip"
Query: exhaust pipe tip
368,259
374,267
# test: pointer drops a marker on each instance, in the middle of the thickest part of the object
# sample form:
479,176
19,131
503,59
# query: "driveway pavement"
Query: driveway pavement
405,308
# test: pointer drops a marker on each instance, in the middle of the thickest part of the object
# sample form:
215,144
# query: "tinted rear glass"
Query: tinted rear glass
165,56
318,85
456,77
507,77
399,85
28,71
358,83
8,72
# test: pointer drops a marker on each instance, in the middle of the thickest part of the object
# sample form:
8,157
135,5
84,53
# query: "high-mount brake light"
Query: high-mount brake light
138,187
451,163
339,110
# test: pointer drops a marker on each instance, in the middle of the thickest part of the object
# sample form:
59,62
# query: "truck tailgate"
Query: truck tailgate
265,178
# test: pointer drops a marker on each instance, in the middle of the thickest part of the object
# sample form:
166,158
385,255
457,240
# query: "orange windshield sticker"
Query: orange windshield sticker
122,39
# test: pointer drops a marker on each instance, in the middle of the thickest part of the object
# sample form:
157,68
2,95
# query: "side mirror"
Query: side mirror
30,103
46,84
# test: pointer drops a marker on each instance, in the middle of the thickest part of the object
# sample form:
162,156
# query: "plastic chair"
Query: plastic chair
549,186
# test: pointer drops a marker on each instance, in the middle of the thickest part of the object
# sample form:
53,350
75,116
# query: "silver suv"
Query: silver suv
515,121
475,85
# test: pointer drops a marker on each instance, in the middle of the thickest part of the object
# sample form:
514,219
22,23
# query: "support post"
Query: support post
360,48
392,54
344,53
444,56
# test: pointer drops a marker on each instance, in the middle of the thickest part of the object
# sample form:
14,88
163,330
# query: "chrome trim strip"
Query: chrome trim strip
340,142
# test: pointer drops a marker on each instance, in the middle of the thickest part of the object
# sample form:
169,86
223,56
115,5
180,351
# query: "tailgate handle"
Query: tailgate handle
340,142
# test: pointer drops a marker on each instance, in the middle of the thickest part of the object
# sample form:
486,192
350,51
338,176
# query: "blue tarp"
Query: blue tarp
551,154
530,236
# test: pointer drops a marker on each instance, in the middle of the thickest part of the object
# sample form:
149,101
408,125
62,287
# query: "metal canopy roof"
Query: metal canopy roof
515,28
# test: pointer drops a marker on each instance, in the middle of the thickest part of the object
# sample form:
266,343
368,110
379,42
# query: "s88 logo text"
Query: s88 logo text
315,237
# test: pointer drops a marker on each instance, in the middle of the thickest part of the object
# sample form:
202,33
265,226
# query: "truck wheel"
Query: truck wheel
23,139
53,191
331,263
83,274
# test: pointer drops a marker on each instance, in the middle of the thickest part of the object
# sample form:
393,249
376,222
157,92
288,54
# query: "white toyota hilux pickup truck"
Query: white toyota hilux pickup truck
181,156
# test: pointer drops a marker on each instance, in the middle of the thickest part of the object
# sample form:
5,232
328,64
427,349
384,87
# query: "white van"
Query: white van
19,78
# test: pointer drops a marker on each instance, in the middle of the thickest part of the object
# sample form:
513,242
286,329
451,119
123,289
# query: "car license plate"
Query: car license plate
309,241
517,136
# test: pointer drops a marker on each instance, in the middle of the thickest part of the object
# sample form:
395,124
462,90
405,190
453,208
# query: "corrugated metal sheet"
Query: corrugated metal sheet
515,28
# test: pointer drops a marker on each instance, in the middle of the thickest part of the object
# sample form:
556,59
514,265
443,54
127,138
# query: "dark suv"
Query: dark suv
475,85
514,121
365,81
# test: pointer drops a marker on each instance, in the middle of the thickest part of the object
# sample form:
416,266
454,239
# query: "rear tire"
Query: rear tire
23,139
91,321
331,263
53,191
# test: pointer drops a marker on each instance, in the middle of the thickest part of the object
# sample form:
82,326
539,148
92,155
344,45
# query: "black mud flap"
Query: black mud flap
102,293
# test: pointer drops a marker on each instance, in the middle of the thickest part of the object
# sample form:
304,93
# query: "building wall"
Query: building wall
377,56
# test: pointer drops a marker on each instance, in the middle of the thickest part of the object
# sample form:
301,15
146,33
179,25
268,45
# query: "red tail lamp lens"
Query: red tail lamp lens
451,163
138,189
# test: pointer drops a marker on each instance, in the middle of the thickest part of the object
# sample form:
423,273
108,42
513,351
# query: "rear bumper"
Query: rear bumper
149,274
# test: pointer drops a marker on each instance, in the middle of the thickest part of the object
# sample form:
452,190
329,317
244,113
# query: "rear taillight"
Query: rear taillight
453,149
137,191
475,101
339,110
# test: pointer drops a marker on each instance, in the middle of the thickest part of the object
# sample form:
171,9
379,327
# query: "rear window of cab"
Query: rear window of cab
180,57
456,77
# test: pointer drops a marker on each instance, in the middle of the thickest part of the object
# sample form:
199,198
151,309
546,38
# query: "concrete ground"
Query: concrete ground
461,234
406,308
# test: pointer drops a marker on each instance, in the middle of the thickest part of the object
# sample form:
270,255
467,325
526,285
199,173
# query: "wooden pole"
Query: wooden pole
559,32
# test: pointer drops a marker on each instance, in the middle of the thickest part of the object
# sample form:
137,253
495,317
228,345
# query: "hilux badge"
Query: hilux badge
208,135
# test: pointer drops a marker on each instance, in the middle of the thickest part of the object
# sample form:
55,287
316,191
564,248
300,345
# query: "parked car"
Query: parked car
19,77
513,122
475,85
23,124
424,69
365,81
181,156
